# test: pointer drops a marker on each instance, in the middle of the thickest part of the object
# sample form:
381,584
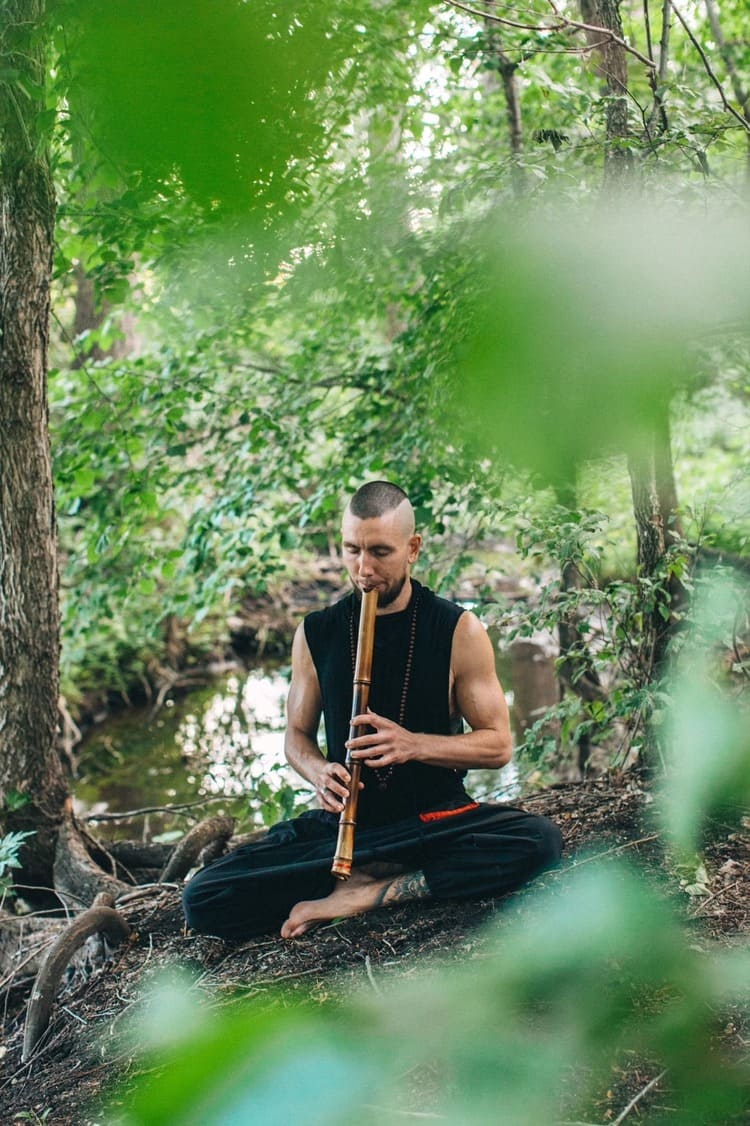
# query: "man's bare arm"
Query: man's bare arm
304,706
479,699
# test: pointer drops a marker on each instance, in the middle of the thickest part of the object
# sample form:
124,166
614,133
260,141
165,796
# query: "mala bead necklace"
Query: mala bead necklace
384,774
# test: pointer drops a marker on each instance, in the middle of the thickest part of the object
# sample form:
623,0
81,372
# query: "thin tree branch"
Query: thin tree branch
658,78
740,93
709,71
647,24
562,24
654,81
133,813
664,42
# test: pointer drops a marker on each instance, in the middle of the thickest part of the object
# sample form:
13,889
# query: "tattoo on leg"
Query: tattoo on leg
412,885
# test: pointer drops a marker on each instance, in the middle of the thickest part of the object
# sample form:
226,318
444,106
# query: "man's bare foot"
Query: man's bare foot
361,892
347,898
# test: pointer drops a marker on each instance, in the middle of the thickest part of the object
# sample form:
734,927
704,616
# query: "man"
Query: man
419,833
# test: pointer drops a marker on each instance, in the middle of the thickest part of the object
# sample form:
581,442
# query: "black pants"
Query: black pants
486,851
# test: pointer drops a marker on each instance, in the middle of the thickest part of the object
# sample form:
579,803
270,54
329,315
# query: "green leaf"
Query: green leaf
15,800
10,846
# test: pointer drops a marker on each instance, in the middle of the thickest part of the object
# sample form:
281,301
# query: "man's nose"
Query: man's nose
365,564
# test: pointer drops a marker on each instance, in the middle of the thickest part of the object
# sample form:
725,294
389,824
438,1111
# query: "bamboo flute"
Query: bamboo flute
342,860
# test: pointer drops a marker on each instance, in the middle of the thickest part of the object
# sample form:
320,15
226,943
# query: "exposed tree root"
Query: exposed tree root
78,871
23,941
99,919
214,832
86,872
140,860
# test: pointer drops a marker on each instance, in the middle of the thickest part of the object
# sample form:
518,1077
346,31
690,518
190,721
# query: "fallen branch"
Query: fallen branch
133,813
634,1101
143,891
99,919
698,912
609,852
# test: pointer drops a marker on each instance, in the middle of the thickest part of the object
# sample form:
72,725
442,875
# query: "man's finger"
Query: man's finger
369,719
360,741
330,798
341,775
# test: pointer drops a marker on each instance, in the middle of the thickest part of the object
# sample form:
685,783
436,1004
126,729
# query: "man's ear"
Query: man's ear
415,543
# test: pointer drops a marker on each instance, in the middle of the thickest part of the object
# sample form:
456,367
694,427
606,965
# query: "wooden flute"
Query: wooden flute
342,860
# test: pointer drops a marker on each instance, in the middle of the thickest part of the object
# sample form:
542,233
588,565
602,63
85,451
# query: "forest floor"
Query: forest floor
85,1060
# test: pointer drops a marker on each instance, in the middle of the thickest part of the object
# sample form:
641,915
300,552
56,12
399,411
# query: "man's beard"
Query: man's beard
385,597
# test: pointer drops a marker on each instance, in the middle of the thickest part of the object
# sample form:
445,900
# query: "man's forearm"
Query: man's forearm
330,779
389,744
304,756
474,750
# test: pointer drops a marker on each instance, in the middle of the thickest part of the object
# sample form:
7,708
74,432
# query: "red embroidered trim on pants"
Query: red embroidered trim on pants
439,814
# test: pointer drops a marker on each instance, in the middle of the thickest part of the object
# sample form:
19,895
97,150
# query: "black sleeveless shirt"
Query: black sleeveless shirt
331,635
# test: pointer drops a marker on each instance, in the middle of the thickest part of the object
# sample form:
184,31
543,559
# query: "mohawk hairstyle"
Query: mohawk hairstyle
375,499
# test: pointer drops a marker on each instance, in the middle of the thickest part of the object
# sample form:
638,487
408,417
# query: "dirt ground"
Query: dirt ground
81,1056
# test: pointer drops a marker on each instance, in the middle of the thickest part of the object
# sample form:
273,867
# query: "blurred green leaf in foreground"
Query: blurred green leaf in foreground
585,322
708,733
221,96
525,1037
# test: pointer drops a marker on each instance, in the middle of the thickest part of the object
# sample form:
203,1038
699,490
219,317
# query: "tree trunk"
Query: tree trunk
612,65
508,71
657,525
29,615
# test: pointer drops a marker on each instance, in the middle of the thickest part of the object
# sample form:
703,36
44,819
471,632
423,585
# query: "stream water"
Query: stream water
221,744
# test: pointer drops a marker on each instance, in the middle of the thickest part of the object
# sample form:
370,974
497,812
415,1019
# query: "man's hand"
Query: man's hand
387,744
332,786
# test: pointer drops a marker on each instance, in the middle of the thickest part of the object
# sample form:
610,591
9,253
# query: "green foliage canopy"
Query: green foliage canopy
299,318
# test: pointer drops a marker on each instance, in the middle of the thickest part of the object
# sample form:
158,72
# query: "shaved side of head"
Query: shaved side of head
376,498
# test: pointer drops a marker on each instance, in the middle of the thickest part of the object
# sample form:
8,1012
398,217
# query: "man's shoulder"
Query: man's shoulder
441,615
325,631
327,616
440,605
